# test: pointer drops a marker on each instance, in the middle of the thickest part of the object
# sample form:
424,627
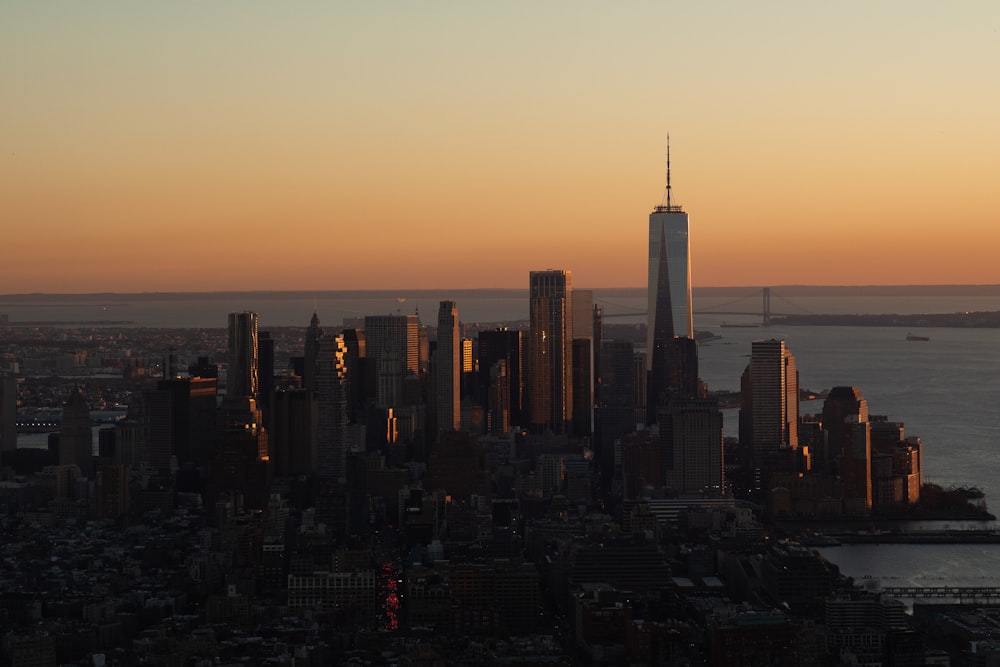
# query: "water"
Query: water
944,390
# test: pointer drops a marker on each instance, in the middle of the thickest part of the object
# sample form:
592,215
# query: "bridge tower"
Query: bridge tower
766,314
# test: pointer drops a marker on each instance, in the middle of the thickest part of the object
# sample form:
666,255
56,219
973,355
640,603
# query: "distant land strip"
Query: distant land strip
487,292
970,320
67,323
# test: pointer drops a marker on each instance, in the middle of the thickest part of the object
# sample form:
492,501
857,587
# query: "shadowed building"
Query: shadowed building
76,440
848,446
8,414
310,359
331,392
507,346
671,351
769,417
550,351
691,446
393,344
180,421
292,438
448,367
242,378
669,280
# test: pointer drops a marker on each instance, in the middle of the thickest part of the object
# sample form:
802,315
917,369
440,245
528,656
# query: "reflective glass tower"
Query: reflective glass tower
669,309
550,350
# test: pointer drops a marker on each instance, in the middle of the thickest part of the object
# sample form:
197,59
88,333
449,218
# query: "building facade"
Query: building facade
242,379
550,350
448,367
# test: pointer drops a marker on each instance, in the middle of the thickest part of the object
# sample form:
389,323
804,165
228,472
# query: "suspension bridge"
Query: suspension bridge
764,296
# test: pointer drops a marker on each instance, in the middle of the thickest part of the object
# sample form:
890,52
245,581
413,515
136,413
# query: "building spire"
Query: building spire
667,205
668,171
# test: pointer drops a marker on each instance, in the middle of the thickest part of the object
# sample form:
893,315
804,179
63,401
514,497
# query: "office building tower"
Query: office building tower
313,333
550,350
769,417
292,438
598,338
265,375
180,421
8,414
242,378
583,387
691,449
848,450
669,308
674,374
448,368
508,346
498,399
331,422
393,344
617,412
360,376
76,439
583,362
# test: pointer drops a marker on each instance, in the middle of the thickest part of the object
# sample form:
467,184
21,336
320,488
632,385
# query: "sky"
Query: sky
203,146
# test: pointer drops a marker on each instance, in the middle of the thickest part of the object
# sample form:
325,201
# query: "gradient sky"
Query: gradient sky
176,146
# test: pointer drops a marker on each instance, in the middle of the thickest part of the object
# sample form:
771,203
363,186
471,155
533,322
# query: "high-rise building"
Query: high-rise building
331,423
8,413
76,439
313,333
691,446
848,452
669,309
292,439
393,344
584,354
507,346
180,421
448,368
769,418
550,350
242,379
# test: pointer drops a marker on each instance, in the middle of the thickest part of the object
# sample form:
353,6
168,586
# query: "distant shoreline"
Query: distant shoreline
486,292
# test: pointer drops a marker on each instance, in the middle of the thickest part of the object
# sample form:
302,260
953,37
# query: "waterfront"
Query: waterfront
943,389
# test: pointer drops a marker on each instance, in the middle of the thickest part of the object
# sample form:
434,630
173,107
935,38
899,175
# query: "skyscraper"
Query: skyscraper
8,413
550,350
770,413
242,380
669,309
331,423
848,452
76,440
313,333
507,346
448,368
393,344
691,446
180,421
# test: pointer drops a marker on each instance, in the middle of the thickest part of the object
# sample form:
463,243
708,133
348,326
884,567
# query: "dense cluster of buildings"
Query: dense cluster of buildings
530,495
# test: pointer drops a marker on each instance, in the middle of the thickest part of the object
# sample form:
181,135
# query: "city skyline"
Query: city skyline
164,148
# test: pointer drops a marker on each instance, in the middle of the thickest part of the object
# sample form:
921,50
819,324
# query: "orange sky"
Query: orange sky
176,146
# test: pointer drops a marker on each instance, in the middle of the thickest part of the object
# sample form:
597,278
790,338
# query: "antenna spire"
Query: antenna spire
668,171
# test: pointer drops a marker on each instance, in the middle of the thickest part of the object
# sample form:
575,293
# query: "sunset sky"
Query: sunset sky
196,146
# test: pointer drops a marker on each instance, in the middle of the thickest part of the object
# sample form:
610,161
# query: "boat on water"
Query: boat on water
910,336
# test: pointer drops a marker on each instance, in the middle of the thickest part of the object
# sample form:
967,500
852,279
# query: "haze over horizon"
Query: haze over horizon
228,147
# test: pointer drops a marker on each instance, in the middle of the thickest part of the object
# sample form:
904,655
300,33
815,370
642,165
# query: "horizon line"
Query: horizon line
865,286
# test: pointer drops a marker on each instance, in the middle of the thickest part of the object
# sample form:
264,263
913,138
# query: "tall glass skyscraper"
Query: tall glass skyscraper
669,309
448,364
550,350
242,379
